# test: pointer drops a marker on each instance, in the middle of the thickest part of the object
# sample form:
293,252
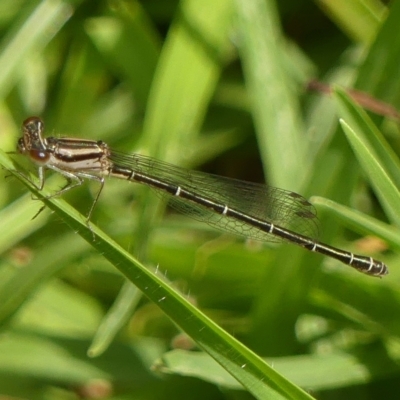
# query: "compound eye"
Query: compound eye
21,146
39,156
33,124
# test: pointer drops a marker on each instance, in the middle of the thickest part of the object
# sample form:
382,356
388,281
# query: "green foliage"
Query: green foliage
121,309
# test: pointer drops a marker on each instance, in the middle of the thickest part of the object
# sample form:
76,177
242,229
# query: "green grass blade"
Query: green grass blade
171,121
360,19
128,41
369,304
16,220
46,263
275,108
31,34
379,74
116,318
316,372
259,379
201,39
373,153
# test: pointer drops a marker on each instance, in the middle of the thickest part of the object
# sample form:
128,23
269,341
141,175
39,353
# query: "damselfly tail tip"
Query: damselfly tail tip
384,269
377,268
368,265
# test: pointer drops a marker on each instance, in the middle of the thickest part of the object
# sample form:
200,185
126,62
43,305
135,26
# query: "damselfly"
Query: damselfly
252,210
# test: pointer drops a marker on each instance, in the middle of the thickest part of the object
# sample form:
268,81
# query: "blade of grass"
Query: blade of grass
379,74
315,371
16,220
355,116
196,48
188,68
275,108
46,263
368,303
360,19
259,379
284,152
115,319
373,153
130,43
32,34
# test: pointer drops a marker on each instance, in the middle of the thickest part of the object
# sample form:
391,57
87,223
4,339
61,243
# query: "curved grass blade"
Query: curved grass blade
251,371
373,153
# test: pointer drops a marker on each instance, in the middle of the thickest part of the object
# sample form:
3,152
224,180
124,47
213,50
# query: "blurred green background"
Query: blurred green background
219,86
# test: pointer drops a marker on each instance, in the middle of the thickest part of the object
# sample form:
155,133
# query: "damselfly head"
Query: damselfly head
32,129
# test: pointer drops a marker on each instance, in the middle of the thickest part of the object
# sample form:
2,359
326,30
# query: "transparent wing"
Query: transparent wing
280,207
